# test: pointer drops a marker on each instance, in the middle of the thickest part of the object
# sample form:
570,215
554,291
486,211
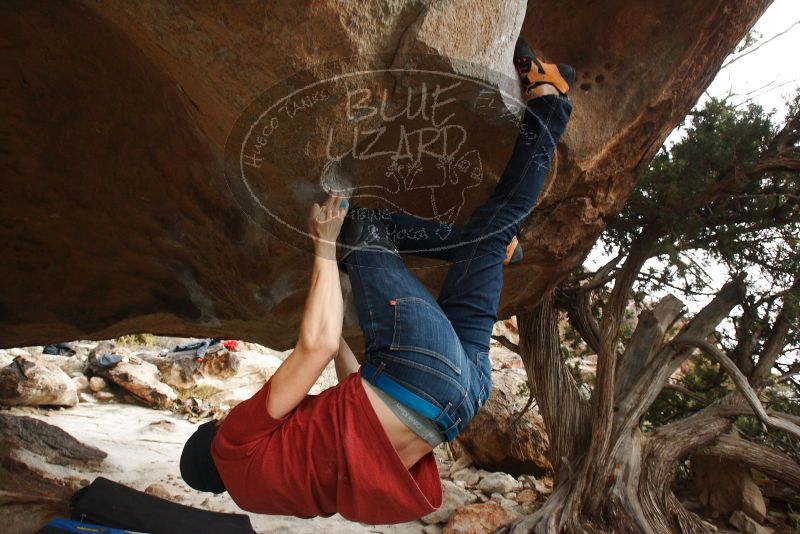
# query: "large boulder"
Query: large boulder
186,371
139,378
32,381
40,467
223,378
118,216
503,438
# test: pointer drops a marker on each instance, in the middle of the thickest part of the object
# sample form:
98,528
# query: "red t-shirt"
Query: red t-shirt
330,454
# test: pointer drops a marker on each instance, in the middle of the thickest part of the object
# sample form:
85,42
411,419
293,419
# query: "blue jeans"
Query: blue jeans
433,354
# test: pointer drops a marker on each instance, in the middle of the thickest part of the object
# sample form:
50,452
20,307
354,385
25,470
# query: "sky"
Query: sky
772,71
770,74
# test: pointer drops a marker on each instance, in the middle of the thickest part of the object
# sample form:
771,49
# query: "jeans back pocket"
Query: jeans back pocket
422,327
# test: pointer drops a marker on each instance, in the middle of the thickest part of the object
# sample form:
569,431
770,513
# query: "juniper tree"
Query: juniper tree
716,216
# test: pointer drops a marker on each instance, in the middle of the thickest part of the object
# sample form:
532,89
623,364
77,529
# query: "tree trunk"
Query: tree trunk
625,485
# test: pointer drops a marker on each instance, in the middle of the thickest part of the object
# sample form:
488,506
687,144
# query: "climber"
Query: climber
363,448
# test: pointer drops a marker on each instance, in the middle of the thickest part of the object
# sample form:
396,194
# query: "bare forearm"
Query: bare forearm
345,361
321,325
318,343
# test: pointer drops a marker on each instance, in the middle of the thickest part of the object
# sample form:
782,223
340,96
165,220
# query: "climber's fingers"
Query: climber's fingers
336,204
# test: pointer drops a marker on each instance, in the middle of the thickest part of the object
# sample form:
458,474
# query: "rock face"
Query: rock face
186,371
498,439
139,378
29,496
453,497
479,518
116,125
32,381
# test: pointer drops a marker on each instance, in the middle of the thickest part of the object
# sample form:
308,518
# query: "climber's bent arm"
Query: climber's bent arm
320,330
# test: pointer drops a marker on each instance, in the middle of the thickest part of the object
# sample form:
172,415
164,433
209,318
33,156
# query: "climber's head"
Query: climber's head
197,466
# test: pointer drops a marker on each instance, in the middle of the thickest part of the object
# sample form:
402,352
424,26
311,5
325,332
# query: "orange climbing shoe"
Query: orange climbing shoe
513,252
533,72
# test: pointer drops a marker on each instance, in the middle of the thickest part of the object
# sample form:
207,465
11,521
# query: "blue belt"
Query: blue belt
411,400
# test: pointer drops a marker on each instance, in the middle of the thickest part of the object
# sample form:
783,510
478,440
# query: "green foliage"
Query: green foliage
703,377
135,340
749,40
781,399
718,204
752,229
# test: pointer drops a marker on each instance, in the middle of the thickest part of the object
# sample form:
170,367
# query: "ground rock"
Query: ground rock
498,439
87,397
452,498
164,246
141,379
185,371
526,496
725,486
81,383
32,381
97,383
498,483
468,476
254,369
33,490
462,462
159,490
69,364
479,519
222,377
747,524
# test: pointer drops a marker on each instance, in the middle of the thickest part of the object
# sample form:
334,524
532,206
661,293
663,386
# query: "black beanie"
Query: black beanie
197,466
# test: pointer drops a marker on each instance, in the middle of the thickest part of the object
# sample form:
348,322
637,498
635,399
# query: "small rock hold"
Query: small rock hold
81,382
452,498
746,524
97,383
468,476
104,395
526,496
157,490
498,483
483,473
87,398
474,518
462,463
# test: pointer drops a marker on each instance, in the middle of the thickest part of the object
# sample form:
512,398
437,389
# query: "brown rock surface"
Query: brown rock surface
139,378
117,113
479,519
497,440
29,494
183,371
32,381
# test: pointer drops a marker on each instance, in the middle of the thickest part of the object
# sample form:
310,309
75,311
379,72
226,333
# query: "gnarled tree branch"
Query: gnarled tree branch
766,459
742,383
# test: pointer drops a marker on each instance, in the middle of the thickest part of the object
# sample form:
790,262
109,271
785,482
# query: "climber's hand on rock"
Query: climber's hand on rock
325,222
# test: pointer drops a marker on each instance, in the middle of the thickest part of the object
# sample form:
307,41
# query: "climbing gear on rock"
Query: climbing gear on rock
533,72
